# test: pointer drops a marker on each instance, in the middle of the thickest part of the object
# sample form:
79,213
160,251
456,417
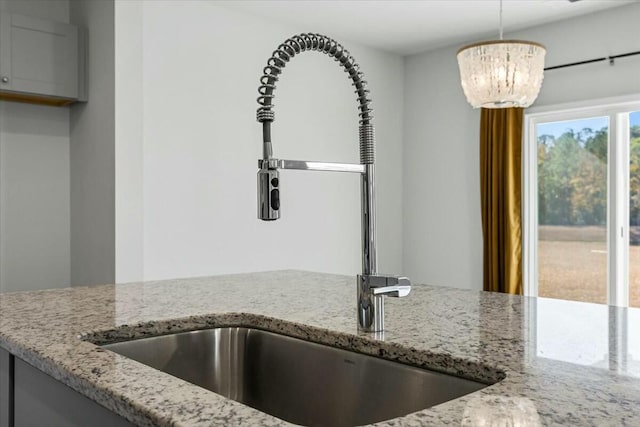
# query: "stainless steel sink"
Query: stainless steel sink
295,380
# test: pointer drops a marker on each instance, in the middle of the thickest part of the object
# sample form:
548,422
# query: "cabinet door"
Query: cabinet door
38,56
6,389
40,400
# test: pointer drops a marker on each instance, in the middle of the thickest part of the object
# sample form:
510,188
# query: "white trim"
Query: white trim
613,214
530,328
601,104
529,210
618,176
618,220
625,140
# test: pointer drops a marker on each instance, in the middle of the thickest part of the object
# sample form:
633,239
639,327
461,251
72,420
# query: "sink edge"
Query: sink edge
443,362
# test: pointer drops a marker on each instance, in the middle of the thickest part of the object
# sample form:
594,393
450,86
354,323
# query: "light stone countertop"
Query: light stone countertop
563,363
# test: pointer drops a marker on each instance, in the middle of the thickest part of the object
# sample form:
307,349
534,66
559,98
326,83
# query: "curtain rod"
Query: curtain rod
611,60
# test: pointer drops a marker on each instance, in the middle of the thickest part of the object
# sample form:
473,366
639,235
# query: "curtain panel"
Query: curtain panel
501,198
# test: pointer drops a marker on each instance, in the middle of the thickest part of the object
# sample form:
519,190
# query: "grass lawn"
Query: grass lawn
577,270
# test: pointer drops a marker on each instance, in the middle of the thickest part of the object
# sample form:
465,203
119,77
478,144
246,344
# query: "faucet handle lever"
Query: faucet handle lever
397,291
392,286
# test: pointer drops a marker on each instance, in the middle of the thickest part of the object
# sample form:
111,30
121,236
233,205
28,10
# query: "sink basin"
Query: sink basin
298,381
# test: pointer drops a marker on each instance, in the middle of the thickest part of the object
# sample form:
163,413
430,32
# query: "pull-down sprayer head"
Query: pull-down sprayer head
268,193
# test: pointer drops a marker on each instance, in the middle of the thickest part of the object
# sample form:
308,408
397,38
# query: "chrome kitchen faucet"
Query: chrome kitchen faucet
371,285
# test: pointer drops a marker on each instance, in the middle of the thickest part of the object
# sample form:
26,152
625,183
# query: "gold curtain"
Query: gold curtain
500,193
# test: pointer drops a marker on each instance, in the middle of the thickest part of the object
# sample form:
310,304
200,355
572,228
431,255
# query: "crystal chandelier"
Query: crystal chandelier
501,73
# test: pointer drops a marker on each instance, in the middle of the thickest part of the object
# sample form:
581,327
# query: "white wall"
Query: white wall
610,32
92,158
441,222
34,181
128,142
201,145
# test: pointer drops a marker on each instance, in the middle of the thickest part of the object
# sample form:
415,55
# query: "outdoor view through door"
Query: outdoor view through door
634,209
584,206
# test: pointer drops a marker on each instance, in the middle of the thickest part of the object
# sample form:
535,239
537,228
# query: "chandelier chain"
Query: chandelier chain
500,19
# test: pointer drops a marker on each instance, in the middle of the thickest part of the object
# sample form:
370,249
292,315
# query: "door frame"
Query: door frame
617,214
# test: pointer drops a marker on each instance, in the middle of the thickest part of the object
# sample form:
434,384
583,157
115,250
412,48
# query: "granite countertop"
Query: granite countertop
562,363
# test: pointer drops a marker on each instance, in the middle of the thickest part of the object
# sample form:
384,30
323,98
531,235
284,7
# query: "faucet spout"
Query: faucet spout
371,286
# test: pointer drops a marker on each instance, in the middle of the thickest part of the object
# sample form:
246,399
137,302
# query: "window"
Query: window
581,202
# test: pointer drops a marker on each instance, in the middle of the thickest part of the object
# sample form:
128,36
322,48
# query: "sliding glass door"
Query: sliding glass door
582,204
634,209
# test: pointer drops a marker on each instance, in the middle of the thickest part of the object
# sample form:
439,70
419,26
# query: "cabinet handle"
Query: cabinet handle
5,79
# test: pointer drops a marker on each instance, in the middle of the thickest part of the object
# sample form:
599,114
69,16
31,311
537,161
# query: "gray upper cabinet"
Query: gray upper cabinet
40,60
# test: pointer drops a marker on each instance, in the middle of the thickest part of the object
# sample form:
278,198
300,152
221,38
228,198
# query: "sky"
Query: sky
558,128
596,123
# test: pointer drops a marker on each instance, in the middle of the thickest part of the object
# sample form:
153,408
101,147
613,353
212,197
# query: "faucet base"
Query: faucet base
370,312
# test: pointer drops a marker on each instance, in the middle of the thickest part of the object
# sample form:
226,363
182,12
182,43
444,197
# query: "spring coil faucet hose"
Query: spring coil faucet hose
315,42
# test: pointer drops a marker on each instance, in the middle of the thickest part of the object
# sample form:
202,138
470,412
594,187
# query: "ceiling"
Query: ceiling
408,27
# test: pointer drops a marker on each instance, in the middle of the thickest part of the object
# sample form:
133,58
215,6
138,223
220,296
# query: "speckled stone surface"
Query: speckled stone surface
556,362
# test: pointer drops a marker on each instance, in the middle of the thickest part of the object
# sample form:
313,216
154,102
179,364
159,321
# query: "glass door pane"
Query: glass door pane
634,209
572,209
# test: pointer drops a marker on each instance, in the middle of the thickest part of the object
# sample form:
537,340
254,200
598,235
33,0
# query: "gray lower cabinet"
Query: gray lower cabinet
6,388
29,397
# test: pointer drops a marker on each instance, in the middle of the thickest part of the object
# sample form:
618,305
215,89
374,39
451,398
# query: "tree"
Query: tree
589,196
544,142
634,176
557,169
572,178
597,143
